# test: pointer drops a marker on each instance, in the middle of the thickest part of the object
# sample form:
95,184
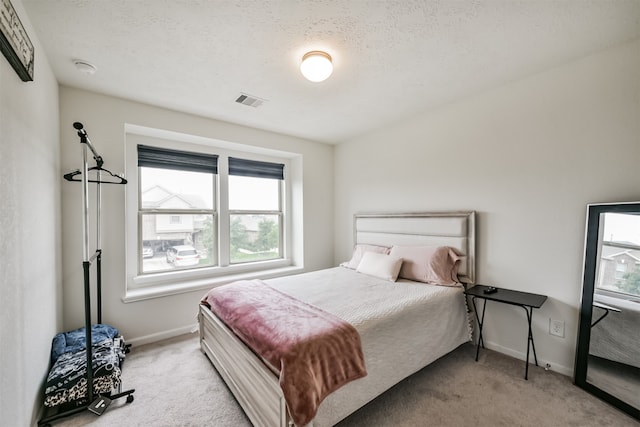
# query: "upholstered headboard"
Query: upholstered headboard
454,229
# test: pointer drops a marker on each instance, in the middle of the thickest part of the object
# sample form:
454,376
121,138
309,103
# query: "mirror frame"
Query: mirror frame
589,274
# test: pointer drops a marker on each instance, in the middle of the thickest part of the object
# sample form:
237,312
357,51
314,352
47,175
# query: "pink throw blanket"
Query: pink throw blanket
316,352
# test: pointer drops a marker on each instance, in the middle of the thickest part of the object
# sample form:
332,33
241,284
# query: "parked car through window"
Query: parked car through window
182,256
147,252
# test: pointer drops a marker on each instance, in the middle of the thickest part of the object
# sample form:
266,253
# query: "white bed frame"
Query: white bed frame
254,385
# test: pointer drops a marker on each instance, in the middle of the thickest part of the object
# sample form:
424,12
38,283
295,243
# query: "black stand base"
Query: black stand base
72,408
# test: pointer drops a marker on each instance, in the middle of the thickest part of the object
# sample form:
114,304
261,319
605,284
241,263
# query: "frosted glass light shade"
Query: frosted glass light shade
316,66
84,67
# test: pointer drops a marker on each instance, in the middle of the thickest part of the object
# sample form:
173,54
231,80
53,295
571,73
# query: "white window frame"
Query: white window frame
150,285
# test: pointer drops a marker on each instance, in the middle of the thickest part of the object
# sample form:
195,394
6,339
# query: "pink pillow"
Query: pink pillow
360,250
430,264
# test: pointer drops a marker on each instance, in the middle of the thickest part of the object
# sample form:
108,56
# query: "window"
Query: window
618,269
255,210
621,269
202,212
176,209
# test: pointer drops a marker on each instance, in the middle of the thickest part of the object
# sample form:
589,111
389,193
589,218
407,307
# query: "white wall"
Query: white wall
528,157
104,118
30,268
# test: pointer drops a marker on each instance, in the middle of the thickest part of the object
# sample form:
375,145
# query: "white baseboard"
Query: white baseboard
553,366
148,339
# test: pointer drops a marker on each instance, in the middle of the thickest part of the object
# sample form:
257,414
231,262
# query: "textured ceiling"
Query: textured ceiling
392,59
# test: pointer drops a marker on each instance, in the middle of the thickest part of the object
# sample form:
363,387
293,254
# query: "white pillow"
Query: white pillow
359,250
380,265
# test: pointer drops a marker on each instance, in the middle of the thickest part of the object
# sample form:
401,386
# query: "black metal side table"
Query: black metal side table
525,300
607,309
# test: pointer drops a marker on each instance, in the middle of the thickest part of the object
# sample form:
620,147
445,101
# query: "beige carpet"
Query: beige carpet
176,385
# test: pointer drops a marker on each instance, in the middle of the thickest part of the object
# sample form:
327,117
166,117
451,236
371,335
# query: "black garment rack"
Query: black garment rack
104,176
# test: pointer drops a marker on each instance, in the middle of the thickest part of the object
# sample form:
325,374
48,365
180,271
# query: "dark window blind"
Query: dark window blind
253,168
156,157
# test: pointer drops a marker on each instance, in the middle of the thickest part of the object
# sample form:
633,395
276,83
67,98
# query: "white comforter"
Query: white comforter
404,326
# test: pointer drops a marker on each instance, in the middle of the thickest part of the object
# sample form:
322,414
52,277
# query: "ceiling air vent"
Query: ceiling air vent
251,101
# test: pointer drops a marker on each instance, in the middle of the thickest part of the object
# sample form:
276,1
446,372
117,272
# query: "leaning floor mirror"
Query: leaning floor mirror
608,351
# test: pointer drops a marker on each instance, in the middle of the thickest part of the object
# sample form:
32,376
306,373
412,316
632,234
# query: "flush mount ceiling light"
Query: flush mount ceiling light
316,66
84,67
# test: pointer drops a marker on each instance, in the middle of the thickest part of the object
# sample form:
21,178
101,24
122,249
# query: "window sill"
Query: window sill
186,286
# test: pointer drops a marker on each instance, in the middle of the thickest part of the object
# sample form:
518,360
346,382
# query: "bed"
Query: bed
403,325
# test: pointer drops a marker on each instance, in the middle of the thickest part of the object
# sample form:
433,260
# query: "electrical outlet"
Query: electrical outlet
556,327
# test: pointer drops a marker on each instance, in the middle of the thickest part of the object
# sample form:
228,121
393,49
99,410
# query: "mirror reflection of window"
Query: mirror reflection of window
608,352
619,267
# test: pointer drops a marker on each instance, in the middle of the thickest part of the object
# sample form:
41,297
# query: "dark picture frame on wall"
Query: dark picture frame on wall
15,43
